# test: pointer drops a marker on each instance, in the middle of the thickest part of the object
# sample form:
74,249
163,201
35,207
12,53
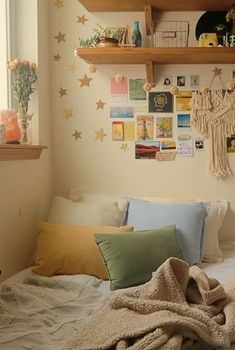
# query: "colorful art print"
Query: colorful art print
185,145
194,80
167,81
121,112
183,100
117,131
136,91
167,145
199,144
164,127
161,102
129,131
144,127
165,155
231,144
183,121
146,149
120,88
180,80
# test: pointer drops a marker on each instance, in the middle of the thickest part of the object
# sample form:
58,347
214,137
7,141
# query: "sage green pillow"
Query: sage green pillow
130,259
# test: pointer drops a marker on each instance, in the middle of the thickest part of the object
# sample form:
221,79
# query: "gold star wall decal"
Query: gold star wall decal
100,135
60,37
57,57
81,19
85,81
100,105
68,113
77,135
124,146
59,3
62,92
217,71
72,68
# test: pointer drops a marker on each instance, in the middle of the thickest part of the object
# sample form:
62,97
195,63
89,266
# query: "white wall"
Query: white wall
103,166
26,186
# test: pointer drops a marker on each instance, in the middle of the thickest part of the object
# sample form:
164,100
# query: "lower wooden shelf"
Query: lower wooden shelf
20,152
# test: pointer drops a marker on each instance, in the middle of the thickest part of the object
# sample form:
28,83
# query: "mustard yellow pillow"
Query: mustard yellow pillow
71,249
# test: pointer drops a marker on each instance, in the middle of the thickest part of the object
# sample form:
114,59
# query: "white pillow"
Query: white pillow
65,211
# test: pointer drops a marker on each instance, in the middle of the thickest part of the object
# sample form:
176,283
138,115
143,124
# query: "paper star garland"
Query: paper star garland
59,3
77,135
217,71
72,68
124,147
82,19
85,81
100,105
57,57
68,112
100,135
60,37
62,92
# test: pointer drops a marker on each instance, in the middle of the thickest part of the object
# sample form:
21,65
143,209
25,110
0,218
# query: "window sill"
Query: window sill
20,152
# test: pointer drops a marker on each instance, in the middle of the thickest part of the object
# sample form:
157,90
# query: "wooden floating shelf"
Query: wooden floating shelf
20,152
178,55
159,5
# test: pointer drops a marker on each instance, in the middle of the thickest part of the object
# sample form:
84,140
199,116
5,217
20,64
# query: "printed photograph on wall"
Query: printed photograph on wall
161,102
194,80
129,131
144,127
199,144
231,144
183,121
119,90
185,145
167,145
164,127
167,81
183,100
180,80
117,131
146,149
136,91
121,112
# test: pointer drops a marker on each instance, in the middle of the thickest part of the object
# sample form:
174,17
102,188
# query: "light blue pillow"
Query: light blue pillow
188,218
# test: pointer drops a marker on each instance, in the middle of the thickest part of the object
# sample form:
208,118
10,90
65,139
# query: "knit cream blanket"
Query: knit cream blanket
179,308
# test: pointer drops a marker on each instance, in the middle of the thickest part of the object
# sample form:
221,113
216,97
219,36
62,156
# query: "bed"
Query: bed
44,312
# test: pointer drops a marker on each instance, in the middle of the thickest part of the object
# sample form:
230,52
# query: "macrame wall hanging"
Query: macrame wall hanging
213,115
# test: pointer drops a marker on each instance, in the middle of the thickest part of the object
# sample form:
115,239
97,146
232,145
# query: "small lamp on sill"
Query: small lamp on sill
9,127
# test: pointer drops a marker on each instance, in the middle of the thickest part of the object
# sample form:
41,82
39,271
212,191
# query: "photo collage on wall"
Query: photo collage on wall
157,122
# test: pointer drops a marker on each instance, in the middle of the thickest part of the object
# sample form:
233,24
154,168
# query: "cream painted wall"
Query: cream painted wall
103,166
26,186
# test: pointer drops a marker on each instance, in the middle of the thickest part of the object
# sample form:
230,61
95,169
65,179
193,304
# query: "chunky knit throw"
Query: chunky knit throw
179,308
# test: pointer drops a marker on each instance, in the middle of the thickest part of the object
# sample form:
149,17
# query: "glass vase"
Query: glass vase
136,35
25,122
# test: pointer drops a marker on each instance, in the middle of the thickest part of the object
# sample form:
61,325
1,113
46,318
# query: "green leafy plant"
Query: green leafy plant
101,33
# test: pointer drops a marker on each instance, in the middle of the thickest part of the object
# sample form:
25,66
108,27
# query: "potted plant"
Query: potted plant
103,37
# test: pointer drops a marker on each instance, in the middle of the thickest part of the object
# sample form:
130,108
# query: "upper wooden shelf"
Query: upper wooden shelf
20,152
160,5
177,55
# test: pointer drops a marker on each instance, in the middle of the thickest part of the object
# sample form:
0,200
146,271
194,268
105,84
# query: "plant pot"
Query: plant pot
107,42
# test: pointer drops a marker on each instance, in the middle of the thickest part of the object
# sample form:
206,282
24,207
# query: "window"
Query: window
4,48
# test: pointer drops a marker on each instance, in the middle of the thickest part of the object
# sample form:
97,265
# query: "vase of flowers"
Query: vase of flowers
24,77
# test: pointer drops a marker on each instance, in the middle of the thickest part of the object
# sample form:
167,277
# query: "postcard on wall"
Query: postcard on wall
199,144
183,100
164,127
167,81
168,145
117,131
183,120
119,90
129,131
121,112
181,80
185,145
136,91
231,144
144,127
161,102
194,80
146,149
165,155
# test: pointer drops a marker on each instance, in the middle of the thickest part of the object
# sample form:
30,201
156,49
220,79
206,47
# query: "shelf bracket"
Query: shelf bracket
149,20
150,73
